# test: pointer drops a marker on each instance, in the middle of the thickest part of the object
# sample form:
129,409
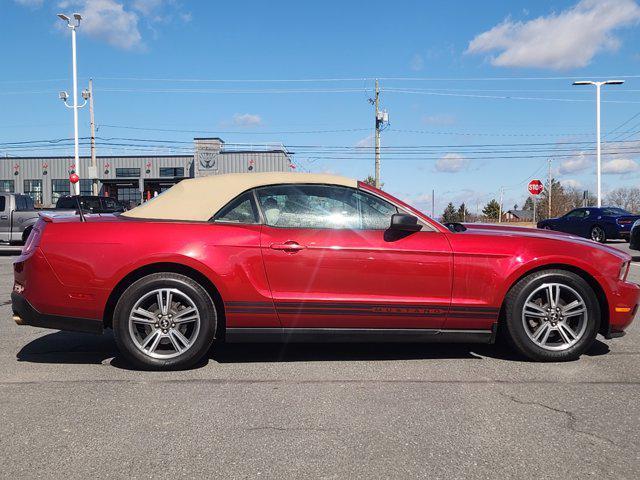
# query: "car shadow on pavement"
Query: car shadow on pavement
81,348
69,347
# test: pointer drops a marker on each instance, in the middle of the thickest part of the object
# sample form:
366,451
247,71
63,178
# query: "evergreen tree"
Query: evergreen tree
463,213
450,214
528,204
370,180
492,209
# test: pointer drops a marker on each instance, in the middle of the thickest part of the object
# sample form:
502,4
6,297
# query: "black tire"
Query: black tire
514,324
598,234
201,341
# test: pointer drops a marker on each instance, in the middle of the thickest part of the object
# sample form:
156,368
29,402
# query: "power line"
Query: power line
501,97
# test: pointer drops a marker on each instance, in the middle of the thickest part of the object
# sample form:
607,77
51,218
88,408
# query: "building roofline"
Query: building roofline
209,138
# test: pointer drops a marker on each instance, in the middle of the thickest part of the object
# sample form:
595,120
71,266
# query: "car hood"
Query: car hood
535,233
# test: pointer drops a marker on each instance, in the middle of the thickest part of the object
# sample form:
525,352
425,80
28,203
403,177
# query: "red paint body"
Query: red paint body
343,278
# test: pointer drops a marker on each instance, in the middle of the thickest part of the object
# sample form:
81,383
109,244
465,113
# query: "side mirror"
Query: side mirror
405,223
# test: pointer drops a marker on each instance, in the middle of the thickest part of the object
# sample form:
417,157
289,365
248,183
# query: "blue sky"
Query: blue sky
202,68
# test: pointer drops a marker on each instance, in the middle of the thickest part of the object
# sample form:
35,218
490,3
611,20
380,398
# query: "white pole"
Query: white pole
599,161
75,187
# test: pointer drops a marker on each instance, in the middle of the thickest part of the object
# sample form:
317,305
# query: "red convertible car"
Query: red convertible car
298,257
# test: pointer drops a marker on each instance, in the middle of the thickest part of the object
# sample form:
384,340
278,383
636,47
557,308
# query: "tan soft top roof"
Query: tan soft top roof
197,199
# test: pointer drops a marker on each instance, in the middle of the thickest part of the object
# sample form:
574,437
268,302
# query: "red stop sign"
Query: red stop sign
73,178
535,187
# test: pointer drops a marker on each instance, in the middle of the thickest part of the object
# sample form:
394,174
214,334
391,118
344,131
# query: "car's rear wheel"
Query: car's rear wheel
552,315
164,321
598,234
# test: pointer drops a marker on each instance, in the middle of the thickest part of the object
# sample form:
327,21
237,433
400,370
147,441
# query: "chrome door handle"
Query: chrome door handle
289,246
4,217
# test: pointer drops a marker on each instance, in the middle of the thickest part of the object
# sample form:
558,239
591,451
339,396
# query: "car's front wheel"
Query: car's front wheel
164,321
552,315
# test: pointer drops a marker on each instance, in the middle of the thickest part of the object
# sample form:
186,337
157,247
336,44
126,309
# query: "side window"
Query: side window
375,213
574,214
323,206
65,202
109,203
21,203
30,205
240,210
3,203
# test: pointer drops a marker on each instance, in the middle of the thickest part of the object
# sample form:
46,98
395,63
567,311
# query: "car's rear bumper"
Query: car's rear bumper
25,314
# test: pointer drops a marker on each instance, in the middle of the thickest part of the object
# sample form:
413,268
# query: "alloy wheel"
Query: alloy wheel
164,323
597,234
555,316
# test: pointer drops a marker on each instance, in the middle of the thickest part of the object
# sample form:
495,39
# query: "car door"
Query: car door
332,262
572,221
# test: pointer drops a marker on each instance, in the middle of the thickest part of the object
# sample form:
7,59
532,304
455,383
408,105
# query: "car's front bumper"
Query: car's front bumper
623,305
25,314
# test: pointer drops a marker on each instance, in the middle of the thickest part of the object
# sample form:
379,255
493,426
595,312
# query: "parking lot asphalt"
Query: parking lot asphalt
69,408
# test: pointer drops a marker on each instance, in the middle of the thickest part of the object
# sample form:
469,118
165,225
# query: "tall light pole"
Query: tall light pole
599,159
85,94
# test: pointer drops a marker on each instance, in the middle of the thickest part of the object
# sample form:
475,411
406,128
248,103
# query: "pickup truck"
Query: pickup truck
18,215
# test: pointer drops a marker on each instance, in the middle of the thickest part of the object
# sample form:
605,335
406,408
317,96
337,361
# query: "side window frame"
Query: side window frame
356,191
251,195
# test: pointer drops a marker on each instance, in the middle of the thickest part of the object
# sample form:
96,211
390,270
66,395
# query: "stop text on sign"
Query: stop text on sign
535,187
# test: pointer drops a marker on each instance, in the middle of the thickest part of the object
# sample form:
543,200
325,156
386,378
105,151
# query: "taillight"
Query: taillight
33,240
624,271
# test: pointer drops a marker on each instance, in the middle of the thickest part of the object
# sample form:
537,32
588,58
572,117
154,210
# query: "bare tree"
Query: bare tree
625,197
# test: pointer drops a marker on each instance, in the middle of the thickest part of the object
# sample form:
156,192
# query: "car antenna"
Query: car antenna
82,219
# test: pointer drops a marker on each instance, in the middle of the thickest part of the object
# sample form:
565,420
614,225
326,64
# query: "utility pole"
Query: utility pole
94,167
433,203
378,122
500,209
550,185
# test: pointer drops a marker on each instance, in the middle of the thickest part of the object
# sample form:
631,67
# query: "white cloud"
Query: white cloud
564,40
247,120
451,163
571,183
108,20
118,22
619,165
576,164
417,62
443,119
365,142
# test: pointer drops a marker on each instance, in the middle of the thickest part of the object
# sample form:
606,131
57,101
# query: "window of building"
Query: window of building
85,186
127,172
172,171
6,186
33,188
129,195
59,188
322,206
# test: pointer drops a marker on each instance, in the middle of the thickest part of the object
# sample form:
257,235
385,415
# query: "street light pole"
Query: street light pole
75,187
598,86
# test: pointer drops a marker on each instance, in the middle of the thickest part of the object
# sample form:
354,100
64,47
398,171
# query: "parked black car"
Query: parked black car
634,238
90,204
599,224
